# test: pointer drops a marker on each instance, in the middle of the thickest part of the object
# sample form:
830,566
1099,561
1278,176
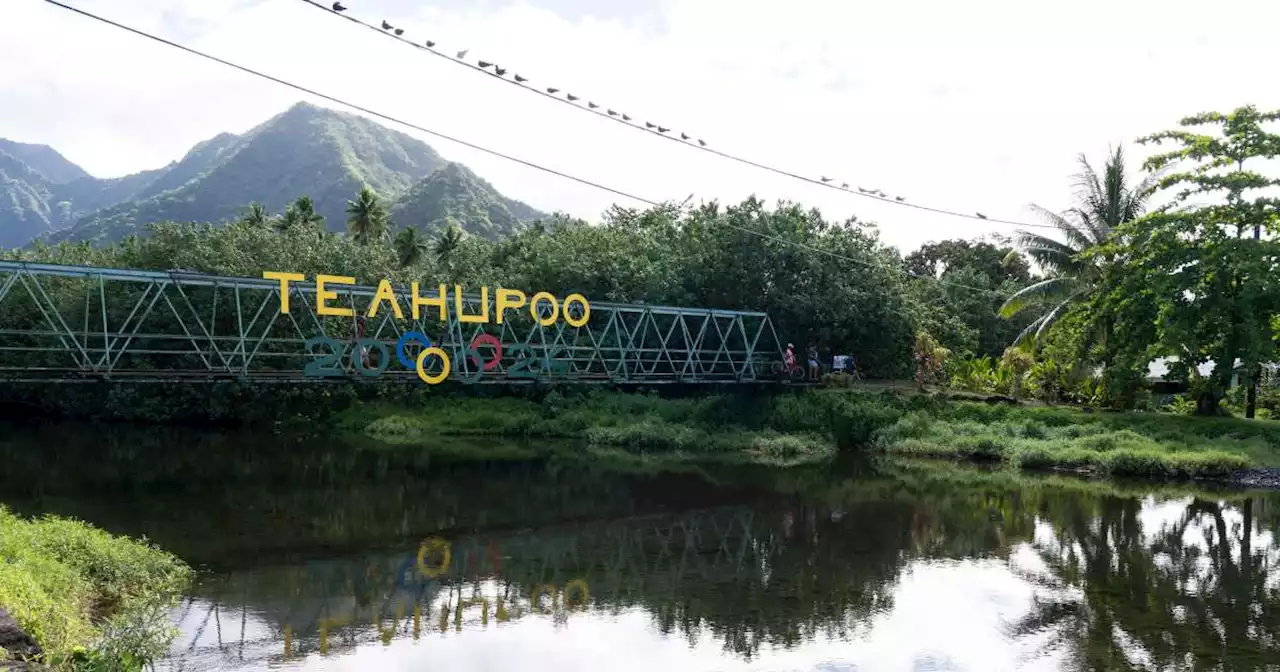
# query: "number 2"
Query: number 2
324,366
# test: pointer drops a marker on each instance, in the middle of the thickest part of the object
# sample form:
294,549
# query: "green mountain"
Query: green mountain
455,193
43,159
306,150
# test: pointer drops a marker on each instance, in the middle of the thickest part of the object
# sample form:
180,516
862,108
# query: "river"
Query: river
322,554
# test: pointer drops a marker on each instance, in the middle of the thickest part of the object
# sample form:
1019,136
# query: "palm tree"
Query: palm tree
1103,204
256,215
367,219
448,242
410,245
301,212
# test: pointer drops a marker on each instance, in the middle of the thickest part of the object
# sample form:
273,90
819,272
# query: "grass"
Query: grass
91,600
809,427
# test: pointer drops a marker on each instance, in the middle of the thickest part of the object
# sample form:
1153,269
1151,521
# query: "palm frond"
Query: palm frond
1050,289
1076,237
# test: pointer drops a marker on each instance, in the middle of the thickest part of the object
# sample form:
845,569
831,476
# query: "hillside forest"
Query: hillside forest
1175,258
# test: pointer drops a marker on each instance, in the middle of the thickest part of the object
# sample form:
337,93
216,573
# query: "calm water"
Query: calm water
311,550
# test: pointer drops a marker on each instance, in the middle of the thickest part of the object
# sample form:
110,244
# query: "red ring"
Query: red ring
493,342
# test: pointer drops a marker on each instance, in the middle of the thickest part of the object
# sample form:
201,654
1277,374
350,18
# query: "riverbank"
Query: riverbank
88,599
812,426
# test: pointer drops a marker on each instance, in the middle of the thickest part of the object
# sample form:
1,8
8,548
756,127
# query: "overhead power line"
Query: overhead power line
500,72
530,164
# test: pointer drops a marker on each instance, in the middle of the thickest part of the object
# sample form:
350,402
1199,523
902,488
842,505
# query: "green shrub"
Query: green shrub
74,587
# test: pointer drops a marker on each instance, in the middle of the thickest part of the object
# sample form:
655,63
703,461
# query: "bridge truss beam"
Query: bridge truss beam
62,323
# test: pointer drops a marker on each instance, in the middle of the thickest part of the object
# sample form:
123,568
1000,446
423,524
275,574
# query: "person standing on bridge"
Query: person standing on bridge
812,355
364,352
789,358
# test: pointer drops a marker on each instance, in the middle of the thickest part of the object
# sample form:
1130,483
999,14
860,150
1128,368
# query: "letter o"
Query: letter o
581,586
434,543
444,365
538,592
555,308
586,310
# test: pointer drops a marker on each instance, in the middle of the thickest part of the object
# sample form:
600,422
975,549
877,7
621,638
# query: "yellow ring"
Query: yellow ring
581,585
586,310
444,365
434,543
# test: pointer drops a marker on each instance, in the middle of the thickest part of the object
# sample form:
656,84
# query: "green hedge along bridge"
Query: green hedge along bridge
61,323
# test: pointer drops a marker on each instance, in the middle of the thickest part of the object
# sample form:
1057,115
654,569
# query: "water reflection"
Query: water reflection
316,561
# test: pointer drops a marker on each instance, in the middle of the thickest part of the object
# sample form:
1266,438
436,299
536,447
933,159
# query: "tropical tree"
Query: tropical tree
410,246
448,242
367,219
1103,203
1207,264
300,213
256,215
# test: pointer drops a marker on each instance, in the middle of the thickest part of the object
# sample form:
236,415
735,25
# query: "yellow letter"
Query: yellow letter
284,279
438,302
510,298
555,307
586,310
385,294
322,295
483,317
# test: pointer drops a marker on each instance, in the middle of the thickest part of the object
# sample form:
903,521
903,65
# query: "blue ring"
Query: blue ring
405,338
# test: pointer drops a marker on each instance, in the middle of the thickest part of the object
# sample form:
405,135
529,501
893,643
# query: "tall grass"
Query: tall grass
813,425
91,600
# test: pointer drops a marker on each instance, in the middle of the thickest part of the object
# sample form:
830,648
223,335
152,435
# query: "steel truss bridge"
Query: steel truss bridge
334,606
62,323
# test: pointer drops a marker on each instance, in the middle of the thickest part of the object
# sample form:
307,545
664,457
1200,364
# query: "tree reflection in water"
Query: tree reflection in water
1126,578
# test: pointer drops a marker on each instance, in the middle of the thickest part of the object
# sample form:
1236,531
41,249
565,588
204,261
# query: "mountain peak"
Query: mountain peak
44,160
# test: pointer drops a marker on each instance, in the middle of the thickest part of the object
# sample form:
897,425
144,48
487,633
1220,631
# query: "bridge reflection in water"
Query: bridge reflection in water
479,581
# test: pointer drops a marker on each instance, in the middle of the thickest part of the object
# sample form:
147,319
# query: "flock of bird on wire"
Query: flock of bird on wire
498,71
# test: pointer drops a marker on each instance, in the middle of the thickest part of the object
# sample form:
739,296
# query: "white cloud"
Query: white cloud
970,106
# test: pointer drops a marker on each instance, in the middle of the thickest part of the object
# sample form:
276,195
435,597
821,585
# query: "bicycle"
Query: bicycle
783,370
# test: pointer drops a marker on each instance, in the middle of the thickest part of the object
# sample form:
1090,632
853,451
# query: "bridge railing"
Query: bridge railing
70,323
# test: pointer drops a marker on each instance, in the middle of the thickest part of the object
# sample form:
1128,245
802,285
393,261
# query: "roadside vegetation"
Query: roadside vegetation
811,426
91,601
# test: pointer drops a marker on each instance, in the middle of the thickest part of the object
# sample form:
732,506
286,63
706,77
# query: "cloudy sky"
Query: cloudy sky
971,106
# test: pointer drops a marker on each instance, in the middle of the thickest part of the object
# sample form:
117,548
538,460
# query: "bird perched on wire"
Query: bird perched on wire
626,118
463,53
521,79
980,215
337,7
663,130
844,185
900,199
700,142
684,136
592,105
570,96
499,71
386,26
483,64
552,90
826,179
399,31
430,44
611,113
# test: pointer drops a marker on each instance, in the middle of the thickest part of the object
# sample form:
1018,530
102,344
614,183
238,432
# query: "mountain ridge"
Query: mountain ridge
304,150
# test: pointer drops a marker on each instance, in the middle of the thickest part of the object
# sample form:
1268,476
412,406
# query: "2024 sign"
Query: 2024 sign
327,365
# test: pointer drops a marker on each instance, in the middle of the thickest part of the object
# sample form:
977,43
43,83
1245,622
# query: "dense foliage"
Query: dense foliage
1193,279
